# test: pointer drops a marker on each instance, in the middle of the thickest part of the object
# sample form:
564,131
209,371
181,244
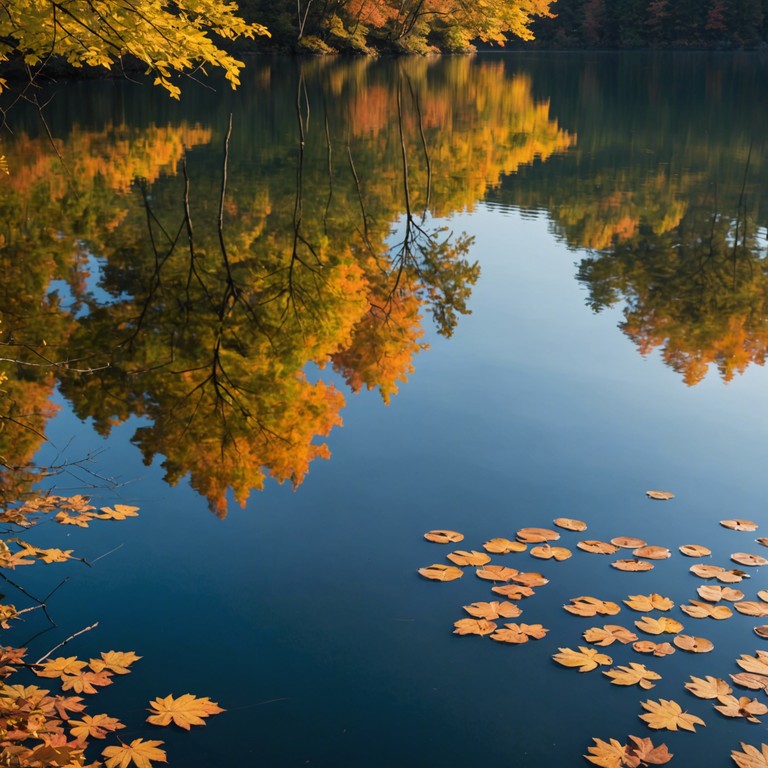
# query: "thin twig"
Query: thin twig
63,643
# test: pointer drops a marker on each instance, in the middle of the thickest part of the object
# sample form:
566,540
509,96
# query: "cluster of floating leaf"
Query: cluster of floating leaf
514,585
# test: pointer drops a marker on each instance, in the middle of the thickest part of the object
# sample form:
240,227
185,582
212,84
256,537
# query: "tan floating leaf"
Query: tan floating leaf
139,752
608,634
693,644
513,591
628,542
591,606
536,535
750,608
440,572
660,626
85,681
734,576
607,754
634,674
751,709
504,546
700,610
496,573
751,757
546,552
115,661
762,631
632,565
96,727
660,495
743,558
519,633
493,610
595,547
118,512
763,541
695,550
763,595
751,680
460,557
530,579
739,525
714,593
668,715
757,663
646,603
706,571
586,659
652,552
643,752
708,687
184,711
60,666
570,524
473,627
444,537
657,649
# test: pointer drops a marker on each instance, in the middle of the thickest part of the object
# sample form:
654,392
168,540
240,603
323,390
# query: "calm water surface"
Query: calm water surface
530,287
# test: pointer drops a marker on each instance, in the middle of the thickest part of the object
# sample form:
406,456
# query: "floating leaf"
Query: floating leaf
646,603
85,682
751,709
444,537
139,752
96,727
652,552
643,752
591,606
513,591
184,711
504,546
118,512
628,542
750,608
530,579
762,631
659,626
668,715
763,595
751,680
757,663
493,610
586,659
632,565
699,610
708,687
762,541
595,547
657,649
734,576
546,552
608,634
496,573
570,524
115,661
695,550
706,571
714,593
60,666
750,757
660,495
460,557
607,754
440,572
473,627
739,525
519,633
743,558
536,535
693,644
634,674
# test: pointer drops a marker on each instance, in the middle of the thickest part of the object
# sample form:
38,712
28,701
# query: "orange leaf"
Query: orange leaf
185,711
668,715
473,627
139,752
440,572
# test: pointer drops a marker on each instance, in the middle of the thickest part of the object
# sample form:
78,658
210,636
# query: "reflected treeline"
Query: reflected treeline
202,272
667,190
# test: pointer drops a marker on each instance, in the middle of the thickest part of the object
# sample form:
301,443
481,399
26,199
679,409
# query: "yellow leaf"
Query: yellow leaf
473,627
586,659
440,572
185,711
634,674
668,715
115,661
139,752
96,727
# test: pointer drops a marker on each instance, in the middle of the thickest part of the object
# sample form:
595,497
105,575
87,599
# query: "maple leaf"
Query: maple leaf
595,547
743,558
530,579
118,512
750,608
536,535
473,627
714,593
115,661
751,757
695,550
519,633
444,537
708,687
570,524
504,546
513,591
85,682
632,565
659,626
634,674
586,659
58,667
496,573
607,754
693,644
547,552
751,680
657,649
460,557
440,572
757,663
646,603
643,752
652,552
96,727
669,715
493,610
609,634
66,704
139,752
706,571
660,495
628,542
185,711
730,706
739,525
699,610
590,606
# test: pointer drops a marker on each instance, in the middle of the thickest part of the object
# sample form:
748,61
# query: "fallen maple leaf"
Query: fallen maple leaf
536,535
184,711
652,552
444,537
730,706
530,579
493,610
634,674
757,663
743,558
504,546
751,757
85,682
660,495
586,659
460,557
657,649
668,715
590,606
699,610
519,633
762,631
632,565
115,661
646,603
595,547
643,752
609,634
739,525
60,666
751,680
662,625
118,512
693,644
513,591
473,627
705,571
546,552
607,754
708,687
570,524
750,608
715,593
96,727
496,573
695,550
628,542
440,572
139,752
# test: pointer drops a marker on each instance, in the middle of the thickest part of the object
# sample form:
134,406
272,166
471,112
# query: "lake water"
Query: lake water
530,287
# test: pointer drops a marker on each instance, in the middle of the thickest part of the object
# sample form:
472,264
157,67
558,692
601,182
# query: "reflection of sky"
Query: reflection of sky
303,615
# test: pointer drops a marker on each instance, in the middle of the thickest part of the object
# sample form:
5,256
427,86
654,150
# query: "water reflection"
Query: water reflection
232,252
